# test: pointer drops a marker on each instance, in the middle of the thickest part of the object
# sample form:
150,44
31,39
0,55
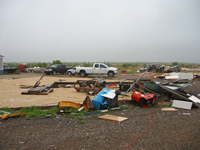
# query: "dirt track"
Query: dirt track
169,130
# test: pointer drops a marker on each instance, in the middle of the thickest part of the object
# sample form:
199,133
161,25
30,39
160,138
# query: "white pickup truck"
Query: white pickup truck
98,68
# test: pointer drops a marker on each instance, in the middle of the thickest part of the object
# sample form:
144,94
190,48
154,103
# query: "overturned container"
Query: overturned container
144,100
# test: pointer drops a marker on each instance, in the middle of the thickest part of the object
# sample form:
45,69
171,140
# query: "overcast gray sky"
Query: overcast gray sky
100,30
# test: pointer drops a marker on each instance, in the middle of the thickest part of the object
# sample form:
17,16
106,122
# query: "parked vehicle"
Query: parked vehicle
98,68
35,69
10,69
22,67
71,72
56,68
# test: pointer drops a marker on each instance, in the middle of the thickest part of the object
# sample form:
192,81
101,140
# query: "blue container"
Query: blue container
98,100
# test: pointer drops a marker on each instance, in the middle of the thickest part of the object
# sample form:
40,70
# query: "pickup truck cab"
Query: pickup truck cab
98,68
56,68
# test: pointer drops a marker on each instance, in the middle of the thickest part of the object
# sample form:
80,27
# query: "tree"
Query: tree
57,62
174,64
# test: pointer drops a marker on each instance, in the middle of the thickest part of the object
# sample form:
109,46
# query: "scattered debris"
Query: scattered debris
144,100
106,98
88,86
194,99
168,109
5,116
87,103
5,112
64,104
113,118
186,114
182,104
39,91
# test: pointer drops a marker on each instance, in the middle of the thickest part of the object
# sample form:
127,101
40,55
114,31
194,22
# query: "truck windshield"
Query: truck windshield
53,66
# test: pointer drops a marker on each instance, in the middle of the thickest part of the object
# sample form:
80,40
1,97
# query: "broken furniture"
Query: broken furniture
88,86
39,91
106,98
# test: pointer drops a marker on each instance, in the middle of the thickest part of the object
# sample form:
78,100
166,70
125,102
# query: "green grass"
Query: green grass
95,116
80,121
79,118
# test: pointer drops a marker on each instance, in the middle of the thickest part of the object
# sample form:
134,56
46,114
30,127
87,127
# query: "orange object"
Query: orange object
87,103
5,116
64,104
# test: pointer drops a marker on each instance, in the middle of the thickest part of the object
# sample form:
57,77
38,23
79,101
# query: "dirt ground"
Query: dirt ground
169,130
11,92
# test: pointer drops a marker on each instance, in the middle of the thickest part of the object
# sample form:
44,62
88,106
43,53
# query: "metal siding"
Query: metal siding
1,71
1,63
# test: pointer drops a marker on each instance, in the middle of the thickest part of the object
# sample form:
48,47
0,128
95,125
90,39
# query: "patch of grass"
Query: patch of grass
76,126
74,110
79,118
84,112
71,115
64,115
7,110
52,111
110,111
37,112
80,121
95,116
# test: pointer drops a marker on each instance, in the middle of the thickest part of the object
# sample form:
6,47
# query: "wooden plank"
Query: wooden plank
168,109
113,118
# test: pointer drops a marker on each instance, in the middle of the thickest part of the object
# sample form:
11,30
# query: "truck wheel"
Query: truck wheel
69,73
54,73
111,74
82,73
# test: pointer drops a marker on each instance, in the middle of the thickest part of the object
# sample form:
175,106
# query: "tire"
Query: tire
54,73
111,74
82,73
69,73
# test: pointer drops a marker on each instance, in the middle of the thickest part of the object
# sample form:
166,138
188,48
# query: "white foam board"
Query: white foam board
194,99
186,76
182,104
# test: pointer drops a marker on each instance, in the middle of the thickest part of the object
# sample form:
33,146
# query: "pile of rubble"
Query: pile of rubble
102,95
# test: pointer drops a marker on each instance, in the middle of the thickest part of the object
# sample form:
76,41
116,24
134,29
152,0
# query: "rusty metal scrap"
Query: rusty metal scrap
88,86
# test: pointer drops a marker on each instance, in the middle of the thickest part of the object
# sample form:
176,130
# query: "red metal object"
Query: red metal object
144,100
22,67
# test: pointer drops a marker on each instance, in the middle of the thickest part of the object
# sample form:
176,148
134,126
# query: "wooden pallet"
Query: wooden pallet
88,86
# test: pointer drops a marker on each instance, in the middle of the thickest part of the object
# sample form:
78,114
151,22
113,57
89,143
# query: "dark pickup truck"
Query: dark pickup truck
56,68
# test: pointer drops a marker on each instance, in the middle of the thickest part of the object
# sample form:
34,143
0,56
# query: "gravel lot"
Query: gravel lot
169,130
